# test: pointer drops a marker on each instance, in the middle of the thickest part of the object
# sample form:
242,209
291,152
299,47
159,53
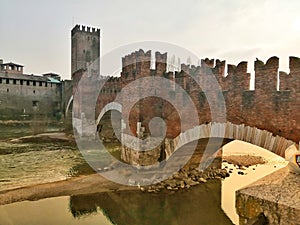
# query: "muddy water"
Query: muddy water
199,205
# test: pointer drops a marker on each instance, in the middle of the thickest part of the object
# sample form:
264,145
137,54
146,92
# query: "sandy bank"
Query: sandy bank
74,186
44,137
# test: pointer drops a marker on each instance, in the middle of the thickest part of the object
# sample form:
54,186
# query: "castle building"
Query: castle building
22,95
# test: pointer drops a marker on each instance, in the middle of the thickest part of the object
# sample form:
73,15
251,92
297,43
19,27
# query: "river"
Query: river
32,163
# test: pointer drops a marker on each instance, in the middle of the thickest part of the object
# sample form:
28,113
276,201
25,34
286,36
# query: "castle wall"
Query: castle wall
21,99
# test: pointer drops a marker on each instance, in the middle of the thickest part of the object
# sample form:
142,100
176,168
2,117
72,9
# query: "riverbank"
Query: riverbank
88,183
74,186
240,160
186,178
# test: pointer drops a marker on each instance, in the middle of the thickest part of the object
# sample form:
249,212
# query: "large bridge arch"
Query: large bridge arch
252,135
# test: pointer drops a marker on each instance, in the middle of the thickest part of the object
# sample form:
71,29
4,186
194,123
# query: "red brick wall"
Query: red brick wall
265,108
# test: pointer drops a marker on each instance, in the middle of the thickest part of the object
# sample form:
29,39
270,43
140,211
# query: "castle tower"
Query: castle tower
85,47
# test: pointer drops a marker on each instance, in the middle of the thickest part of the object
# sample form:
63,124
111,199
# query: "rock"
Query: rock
202,180
194,173
260,219
194,183
160,186
131,182
223,173
241,167
107,168
176,175
182,184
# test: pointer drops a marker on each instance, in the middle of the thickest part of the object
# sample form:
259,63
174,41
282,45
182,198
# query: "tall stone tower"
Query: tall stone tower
85,47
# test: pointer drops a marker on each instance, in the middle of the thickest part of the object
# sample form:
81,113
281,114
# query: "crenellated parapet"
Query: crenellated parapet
136,64
237,79
291,81
160,63
85,29
266,75
265,107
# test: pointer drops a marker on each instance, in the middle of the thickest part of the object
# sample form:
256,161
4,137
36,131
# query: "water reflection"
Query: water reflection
197,205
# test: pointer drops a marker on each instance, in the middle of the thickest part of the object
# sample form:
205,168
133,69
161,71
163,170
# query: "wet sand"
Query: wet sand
74,186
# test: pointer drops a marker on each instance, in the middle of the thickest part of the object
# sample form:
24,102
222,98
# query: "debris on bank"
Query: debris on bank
244,160
186,178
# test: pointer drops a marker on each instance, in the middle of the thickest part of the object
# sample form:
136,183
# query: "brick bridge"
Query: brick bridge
267,116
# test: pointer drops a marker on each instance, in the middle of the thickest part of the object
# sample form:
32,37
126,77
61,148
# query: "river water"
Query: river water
208,203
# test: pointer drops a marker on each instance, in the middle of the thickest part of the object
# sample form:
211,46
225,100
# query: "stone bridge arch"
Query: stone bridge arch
252,135
228,130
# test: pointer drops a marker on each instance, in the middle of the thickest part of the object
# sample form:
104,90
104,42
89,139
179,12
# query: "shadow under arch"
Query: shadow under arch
109,121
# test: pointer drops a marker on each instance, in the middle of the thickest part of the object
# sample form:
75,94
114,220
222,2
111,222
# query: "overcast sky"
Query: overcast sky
36,33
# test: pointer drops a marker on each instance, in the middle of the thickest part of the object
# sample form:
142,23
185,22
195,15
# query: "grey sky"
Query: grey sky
37,33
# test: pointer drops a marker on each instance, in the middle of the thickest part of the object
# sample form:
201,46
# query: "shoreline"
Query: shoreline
84,184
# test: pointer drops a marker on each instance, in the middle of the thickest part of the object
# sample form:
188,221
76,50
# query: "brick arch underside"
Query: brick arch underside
252,135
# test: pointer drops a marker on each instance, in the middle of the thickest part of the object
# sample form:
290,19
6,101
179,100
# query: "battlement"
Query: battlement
237,79
294,64
136,64
266,107
272,63
85,29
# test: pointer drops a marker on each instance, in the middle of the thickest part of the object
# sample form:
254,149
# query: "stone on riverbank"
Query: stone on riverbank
187,178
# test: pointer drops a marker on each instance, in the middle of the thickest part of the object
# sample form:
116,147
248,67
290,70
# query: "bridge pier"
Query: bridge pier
276,196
